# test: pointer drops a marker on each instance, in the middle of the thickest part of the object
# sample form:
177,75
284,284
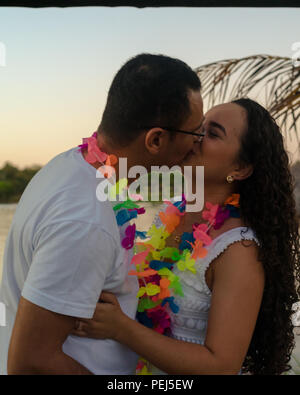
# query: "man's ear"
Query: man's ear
243,172
156,139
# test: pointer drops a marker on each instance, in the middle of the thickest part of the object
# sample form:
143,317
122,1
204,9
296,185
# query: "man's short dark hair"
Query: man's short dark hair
149,90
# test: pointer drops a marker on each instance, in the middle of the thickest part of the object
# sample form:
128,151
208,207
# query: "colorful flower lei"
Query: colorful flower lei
158,284
126,210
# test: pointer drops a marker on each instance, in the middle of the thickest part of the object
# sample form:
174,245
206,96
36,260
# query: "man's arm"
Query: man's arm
36,343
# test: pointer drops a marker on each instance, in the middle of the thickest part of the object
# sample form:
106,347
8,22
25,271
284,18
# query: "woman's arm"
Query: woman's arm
237,292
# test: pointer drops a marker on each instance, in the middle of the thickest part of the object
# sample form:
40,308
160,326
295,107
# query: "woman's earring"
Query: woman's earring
230,179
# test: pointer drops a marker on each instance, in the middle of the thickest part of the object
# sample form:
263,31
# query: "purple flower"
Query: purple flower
128,241
160,319
221,216
82,147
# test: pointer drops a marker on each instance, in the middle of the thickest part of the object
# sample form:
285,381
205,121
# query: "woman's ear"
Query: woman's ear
243,172
155,140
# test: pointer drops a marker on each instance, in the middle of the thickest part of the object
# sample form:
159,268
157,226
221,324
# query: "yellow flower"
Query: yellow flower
158,237
144,371
186,263
150,290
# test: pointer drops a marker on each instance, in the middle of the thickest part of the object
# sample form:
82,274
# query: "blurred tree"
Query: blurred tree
13,181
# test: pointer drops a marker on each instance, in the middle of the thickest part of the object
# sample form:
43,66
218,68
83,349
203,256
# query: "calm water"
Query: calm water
6,214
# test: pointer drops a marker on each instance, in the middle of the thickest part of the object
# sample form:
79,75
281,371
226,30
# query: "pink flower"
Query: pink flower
210,214
202,236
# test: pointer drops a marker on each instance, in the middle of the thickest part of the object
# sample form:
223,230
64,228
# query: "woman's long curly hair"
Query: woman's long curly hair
268,207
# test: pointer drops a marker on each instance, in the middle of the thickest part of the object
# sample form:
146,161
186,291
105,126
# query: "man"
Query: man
64,248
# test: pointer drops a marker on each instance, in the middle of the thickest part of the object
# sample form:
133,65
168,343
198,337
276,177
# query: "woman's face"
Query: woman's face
218,152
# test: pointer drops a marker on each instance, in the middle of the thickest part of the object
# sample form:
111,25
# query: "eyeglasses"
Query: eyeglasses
199,135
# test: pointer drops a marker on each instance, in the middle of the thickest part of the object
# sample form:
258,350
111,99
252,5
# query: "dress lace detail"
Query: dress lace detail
190,323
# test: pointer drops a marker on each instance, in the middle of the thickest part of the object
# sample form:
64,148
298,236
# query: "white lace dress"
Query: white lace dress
190,323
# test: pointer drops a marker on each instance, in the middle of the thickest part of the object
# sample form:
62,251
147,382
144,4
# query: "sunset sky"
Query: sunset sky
59,63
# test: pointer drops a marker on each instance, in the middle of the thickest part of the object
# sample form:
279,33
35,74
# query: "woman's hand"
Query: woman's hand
106,321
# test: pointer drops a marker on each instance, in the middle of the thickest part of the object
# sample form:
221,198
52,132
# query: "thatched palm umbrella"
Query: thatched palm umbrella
272,80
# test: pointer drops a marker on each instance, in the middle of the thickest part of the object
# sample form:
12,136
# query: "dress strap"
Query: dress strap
219,245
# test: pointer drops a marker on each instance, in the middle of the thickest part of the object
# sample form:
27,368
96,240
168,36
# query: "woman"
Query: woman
236,310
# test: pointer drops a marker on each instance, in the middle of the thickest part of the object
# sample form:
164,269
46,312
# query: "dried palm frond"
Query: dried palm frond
273,81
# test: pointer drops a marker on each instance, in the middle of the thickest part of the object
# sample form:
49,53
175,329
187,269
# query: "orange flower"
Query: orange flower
198,250
234,200
171,221
164,291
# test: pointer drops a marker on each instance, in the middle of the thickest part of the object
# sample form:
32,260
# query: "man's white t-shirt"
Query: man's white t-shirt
62,250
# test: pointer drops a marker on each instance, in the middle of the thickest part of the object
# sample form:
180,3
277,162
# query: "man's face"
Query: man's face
182,145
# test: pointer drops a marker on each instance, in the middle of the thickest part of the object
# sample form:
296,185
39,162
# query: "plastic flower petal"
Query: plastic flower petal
107,171
198,250
94,153
234,211
111,160
171,221
170,252
144,304
144,319
176,286
127,204
158,237
186,263
128,240
202,227
203,236
144,273
185,238
144,371
172,209
117,188
166,272
233,200
164,291
136,197
141,235
150,290
140,257
155,255
181,204
210,213
157,265
124,216
160,318
172,304
222,215
140,210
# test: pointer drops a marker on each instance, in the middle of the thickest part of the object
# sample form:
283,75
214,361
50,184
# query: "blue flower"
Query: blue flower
172,305
144,319
180,205
157,265
124,216
234,211
141,235
184,241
